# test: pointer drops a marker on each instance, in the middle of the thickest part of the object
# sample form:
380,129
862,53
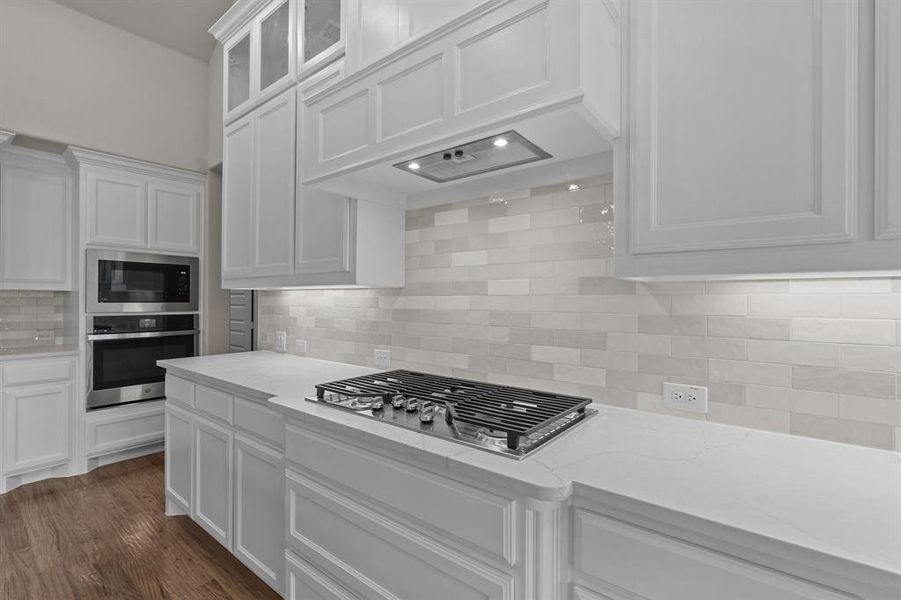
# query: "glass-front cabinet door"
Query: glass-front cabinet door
277,55
238,74
322,34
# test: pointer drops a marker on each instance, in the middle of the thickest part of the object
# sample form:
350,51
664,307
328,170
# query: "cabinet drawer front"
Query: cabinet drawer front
473,517
39,371
214,403
261,421
179,390
659,567
305,582
122,432
380,559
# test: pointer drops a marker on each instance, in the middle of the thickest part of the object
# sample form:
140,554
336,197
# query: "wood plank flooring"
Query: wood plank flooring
105,535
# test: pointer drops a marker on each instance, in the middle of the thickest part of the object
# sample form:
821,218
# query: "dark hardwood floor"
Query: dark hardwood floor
105,535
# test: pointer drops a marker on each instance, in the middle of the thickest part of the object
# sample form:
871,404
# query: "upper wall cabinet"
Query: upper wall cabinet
260,53
134,204
748,147
36,224
549,70
322,33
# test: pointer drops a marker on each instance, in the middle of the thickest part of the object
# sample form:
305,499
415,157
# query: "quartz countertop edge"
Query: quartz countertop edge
792,490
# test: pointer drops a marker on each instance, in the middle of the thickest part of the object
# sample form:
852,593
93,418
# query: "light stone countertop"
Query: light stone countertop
840,500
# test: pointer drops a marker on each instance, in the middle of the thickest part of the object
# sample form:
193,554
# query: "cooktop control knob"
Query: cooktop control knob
427,412
398,401
412,404
377,403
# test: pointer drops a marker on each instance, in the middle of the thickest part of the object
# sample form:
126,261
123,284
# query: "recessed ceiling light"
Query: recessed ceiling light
500,142
413,166
574,187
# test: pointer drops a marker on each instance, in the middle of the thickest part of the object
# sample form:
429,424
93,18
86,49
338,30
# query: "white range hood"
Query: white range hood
541,75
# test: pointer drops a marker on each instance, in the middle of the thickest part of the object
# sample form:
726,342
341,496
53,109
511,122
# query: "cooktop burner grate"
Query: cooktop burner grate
510,411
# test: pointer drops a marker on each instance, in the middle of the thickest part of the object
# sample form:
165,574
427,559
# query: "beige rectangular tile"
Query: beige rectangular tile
871,306
871,358
875,435
749,416
606,359
841,286
672,325
750,372
870,410
452,217
666,365
704,347
463,259
788,399
856,383
749,327
794,305
723,304
844,331
574,374
794,353
639,342
507,287
557,354
514,223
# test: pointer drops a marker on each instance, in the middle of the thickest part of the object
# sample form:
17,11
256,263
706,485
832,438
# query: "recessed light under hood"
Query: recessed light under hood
488,154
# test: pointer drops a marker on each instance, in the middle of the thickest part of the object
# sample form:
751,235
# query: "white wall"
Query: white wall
70,78
214,111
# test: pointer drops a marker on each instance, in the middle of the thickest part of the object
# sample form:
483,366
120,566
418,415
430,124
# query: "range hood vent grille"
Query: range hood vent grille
488,154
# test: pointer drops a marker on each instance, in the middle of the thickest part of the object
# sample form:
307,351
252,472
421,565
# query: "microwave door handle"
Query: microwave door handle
98,337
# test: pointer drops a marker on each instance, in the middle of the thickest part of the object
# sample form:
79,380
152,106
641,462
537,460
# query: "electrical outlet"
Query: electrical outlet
281,341
691,398
300,346
382,358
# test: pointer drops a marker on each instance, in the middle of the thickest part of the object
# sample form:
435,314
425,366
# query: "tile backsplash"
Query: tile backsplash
518,289
31,320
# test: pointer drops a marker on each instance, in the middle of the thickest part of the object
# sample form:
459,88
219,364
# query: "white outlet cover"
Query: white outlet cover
300,346
281,341
690,398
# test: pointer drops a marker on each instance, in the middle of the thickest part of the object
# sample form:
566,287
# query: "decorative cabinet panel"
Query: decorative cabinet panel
214,479
259,509
323,232
260,53
179,457
117,209
888,119
174,216
36,422
747,129
35,221
135,204
303,581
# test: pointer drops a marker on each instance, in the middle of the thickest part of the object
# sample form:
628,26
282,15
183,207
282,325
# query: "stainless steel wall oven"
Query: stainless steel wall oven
123,350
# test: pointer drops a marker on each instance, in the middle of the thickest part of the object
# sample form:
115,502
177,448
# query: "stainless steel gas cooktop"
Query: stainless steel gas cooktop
507,420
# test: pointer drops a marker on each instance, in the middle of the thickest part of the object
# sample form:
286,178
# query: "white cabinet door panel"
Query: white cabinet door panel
117,209
213,481
237,198
888,119
36,427
744,125
306,582
174,216
35,224
273,199
324,222
260,509
179,455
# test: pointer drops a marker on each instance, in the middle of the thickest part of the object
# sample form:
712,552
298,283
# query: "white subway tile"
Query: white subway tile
514,223
794,305
452,217
750,372
871,358
608,359
639,342
870,410
710,305
871,306
844,331
556,354
788,399
794,353
508,287
705,347
574,374
462,259
748,416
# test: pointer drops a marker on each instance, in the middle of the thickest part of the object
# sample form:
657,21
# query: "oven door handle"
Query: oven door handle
99,337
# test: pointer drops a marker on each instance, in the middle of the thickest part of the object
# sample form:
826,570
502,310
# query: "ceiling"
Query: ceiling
177,24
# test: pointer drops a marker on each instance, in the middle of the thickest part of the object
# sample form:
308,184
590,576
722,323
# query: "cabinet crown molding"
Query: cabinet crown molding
236,17
78,157
6,136
15,154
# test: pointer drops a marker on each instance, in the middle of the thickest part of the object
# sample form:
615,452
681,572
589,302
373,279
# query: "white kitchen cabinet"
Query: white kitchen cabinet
376,27
888,120
303,581
259,509
35,221
138,205
36,426
214,479
173,215
258,192
260,53
747,128
324,228
322,31
179,460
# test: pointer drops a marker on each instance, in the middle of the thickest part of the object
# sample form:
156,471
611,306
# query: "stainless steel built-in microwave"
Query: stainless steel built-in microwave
137,282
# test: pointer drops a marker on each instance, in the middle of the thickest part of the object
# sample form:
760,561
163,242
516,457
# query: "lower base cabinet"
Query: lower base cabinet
227,474
259,509
303,581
